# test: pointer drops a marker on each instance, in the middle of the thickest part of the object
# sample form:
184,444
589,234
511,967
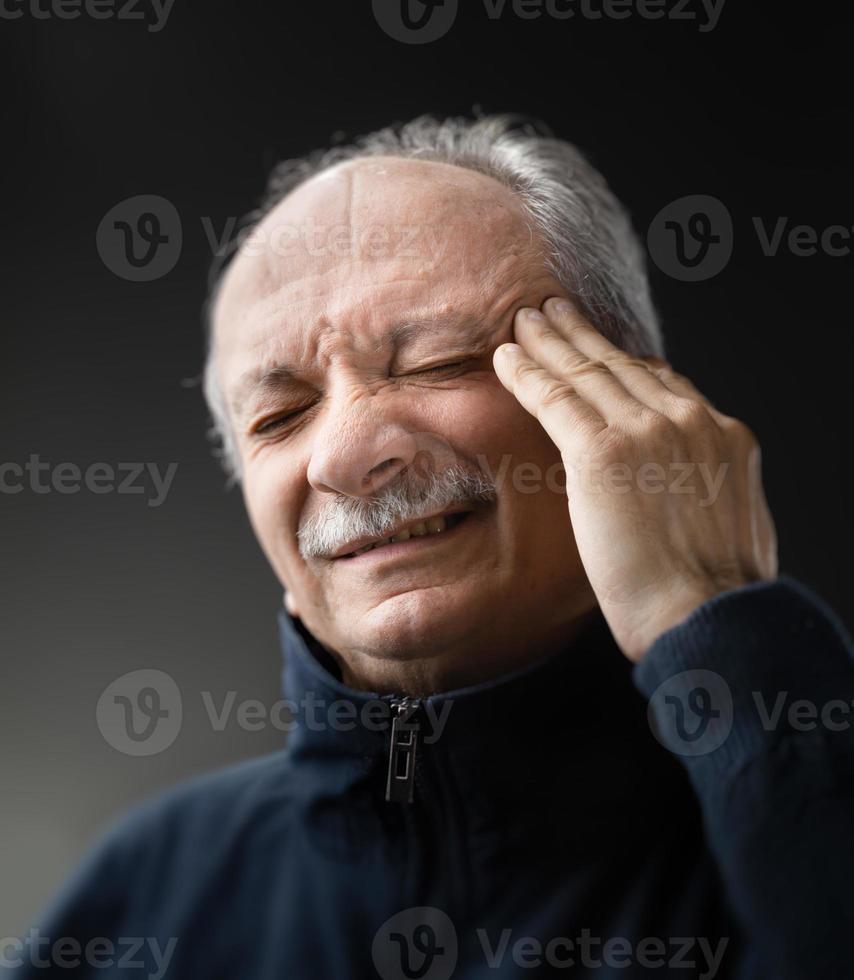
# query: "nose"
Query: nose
359,448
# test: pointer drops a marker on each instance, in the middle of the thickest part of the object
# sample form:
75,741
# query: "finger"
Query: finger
562,412
573,325
677,383
636,376
591,378
764,530
683,387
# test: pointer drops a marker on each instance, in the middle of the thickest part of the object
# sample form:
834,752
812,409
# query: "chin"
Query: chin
417,623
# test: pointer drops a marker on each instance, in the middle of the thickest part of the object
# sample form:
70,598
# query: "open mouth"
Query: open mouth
414,535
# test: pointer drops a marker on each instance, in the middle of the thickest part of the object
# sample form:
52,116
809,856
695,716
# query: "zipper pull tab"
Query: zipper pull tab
401,757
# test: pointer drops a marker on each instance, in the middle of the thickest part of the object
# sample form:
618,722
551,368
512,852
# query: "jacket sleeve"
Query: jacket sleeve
88,906
754,693
83,932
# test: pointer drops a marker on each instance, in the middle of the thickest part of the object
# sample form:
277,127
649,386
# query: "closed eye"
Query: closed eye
435,369
277,421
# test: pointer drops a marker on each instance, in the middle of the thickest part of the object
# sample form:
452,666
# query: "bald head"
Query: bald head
368,241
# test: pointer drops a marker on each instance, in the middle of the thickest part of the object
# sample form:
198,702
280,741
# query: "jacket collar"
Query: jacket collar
574,712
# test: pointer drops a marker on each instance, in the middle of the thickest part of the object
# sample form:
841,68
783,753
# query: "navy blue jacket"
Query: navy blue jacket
686,817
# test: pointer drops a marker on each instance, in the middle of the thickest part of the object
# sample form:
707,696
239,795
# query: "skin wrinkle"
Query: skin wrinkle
513,584
474,346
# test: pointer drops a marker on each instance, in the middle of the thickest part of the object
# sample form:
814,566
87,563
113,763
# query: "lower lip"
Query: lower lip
411,546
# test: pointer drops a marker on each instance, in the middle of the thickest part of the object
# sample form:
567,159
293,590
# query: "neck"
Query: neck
473,658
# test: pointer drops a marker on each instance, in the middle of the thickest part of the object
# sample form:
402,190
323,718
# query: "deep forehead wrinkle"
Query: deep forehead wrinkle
469,334
337,184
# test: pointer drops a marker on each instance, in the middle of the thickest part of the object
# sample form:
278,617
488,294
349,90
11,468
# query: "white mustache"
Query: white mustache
408,499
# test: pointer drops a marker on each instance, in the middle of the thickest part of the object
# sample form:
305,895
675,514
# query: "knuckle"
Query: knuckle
740,432
526,371
654,425
570,362
619,359
668,371
690,414
555,394
589,370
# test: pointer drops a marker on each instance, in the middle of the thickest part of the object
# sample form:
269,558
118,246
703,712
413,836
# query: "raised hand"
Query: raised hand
665,492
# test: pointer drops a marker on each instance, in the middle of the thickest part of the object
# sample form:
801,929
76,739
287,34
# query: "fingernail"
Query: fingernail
564,306
508,350
531,313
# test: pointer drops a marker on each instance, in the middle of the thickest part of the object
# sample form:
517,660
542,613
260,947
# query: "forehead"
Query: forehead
367,245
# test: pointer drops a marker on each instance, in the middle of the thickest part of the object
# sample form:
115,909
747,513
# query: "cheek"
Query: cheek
489,424
272,498
518,455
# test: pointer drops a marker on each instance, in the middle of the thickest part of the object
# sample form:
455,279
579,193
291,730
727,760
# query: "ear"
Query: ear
290,604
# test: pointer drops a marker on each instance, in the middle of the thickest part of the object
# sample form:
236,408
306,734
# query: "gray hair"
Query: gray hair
591,247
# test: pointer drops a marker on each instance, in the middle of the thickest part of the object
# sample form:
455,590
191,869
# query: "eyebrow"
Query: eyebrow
266,380
466,326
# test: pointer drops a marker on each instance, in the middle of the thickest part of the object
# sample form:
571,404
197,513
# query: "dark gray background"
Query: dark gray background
756,113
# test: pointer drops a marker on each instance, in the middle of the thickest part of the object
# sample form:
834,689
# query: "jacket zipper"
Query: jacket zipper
403,749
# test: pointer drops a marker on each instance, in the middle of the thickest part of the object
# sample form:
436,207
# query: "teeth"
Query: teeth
433,525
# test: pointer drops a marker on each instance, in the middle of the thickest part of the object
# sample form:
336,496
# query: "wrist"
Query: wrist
672,606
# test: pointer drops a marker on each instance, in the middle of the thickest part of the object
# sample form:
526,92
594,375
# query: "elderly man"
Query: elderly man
548,686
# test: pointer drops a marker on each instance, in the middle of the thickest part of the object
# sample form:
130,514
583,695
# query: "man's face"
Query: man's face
354,338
